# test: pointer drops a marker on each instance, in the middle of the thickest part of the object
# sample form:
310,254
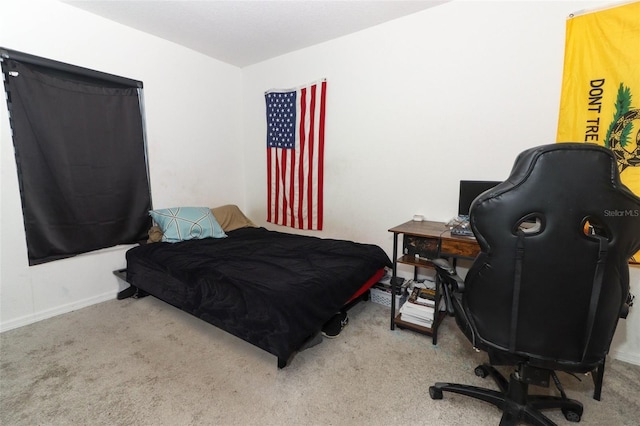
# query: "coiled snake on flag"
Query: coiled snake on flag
625,157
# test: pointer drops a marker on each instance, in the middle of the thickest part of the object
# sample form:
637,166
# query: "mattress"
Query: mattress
272,289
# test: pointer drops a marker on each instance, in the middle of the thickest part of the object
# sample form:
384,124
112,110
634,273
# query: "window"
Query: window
80,152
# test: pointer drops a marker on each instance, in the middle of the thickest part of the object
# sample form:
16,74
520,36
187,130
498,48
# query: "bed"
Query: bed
272,289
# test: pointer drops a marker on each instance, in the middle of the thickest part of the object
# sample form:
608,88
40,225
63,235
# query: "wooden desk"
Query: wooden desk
436,238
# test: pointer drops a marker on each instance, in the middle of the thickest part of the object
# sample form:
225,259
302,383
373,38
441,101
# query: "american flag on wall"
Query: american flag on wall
295,155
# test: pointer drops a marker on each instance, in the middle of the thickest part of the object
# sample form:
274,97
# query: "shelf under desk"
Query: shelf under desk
436,239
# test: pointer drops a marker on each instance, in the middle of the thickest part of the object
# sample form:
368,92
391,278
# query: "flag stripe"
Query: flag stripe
310,176
321,155
295,170
284,181
269,185
303,144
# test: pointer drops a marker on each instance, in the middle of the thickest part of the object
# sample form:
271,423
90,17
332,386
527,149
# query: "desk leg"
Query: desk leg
393,280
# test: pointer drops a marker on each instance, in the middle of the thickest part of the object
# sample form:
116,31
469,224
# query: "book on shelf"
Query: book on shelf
421,311
424,322
420,307
414,313
423,296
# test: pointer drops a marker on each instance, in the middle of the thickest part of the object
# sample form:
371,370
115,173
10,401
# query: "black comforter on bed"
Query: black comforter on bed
272,289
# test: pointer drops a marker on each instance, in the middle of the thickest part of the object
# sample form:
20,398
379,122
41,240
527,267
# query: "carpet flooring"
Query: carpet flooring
143,362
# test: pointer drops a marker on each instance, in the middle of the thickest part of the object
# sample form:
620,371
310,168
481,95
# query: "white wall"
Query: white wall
193,133
417,104
414,105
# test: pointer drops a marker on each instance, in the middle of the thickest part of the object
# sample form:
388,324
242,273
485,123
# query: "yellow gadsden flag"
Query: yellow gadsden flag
600,99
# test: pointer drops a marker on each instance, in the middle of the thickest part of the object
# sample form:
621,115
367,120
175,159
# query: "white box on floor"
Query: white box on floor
384,298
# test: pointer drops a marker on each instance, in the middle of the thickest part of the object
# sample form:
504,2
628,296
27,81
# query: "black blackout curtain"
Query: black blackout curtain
80,152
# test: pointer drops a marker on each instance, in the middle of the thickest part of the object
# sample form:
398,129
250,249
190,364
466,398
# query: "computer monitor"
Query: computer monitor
469,190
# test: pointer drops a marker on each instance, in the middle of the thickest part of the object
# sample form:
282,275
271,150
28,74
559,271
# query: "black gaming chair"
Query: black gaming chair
552,279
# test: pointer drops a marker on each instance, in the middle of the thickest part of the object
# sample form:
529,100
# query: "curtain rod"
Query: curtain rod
62,66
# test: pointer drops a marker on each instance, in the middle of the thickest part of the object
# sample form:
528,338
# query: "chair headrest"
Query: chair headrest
567,186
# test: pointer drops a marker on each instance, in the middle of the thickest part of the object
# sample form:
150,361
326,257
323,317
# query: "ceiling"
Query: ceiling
245,32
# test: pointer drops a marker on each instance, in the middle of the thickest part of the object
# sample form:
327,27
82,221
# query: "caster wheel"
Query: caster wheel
481,371
435,393
570,415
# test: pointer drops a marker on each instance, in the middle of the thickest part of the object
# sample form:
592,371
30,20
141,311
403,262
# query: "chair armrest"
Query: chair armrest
450,282
448,274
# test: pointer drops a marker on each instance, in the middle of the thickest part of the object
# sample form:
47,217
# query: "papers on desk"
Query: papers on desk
460,226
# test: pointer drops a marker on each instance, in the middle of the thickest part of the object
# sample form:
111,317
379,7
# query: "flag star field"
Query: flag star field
281,120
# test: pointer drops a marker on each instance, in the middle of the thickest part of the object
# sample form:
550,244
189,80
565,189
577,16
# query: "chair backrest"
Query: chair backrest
552,278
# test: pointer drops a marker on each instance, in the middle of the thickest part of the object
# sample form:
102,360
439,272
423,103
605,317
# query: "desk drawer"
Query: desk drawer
460,248
421,246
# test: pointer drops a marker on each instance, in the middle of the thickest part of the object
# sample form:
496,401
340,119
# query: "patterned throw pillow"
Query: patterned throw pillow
187,223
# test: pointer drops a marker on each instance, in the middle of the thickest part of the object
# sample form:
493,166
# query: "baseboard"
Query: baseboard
58,310
631,358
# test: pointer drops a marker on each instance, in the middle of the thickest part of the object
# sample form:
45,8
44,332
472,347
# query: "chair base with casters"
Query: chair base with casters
513,396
